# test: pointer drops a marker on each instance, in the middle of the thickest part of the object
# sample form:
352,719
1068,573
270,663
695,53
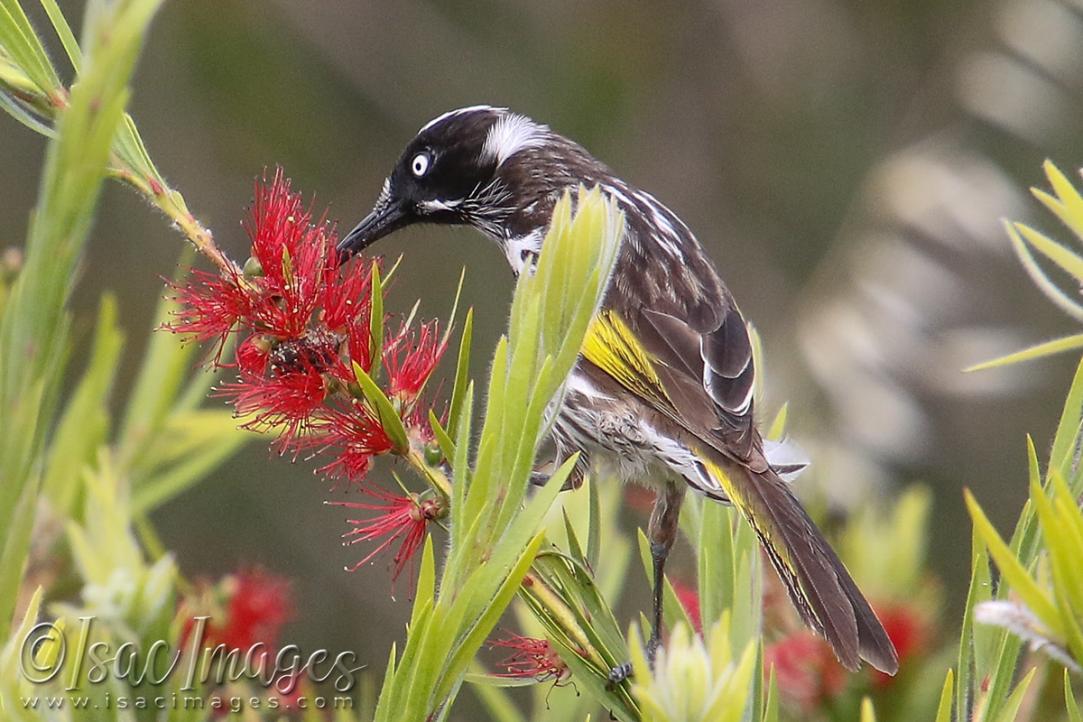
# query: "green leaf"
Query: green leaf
594,523
462,373
34,325
376,321
495,528
1015,701
1068,205
63,31
1045,284
166,362
443,438
1069,700
1068,260
388,417
84,425
18,39
1015,574
943,710
1068,428
1041,350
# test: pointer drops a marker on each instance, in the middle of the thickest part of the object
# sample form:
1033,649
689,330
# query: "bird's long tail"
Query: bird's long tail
821,589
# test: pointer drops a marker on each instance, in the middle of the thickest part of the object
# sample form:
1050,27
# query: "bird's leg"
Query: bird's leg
662,533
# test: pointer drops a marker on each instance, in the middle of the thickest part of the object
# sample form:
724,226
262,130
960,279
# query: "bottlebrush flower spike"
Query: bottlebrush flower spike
531,658
304,318
400,518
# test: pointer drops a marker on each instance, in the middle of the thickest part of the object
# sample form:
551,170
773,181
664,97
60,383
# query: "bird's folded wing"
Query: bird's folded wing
701,380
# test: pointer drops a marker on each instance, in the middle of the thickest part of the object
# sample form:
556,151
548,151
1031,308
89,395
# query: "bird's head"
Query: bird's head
481,166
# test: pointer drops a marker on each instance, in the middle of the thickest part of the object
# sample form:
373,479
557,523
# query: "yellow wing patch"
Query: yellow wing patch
613,347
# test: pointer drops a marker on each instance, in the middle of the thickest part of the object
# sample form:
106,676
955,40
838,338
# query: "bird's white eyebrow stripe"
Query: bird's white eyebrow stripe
457,111
511,134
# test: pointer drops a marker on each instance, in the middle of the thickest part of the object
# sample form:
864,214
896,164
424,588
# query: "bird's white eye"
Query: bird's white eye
420,164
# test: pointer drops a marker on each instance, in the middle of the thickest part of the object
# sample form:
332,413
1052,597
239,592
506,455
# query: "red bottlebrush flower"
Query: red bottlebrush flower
260,605
807,672
404,518
411,357
244,609
304,319
531,658
689,599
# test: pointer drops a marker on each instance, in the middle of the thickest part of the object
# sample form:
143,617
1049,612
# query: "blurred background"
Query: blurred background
846,164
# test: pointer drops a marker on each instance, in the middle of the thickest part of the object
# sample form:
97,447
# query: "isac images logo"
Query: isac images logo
192,675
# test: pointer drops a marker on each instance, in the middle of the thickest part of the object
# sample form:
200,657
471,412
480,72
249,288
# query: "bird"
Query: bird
662,391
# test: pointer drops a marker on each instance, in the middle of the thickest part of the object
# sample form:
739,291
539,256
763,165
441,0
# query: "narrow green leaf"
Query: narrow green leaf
1014,573
1010,711
462,373
1061,453
1067,259
1074,714
594,523
376,321
63,31
84,424
1041,350
770,707
388,417
443,438
943,710
1044,283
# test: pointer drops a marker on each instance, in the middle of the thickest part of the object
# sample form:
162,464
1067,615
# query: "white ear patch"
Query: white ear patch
511,134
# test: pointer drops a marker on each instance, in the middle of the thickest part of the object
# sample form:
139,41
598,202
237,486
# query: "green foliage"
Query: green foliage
495,533
34,326
1067,205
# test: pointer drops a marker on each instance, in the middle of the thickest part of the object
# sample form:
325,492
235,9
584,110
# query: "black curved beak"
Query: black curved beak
384,220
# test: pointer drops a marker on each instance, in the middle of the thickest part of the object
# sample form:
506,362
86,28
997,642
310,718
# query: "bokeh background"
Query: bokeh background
846,164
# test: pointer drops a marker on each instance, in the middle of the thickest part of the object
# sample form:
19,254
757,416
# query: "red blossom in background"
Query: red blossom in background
531,658
244,609
260,605
806,670
908,629
689,599
400,518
